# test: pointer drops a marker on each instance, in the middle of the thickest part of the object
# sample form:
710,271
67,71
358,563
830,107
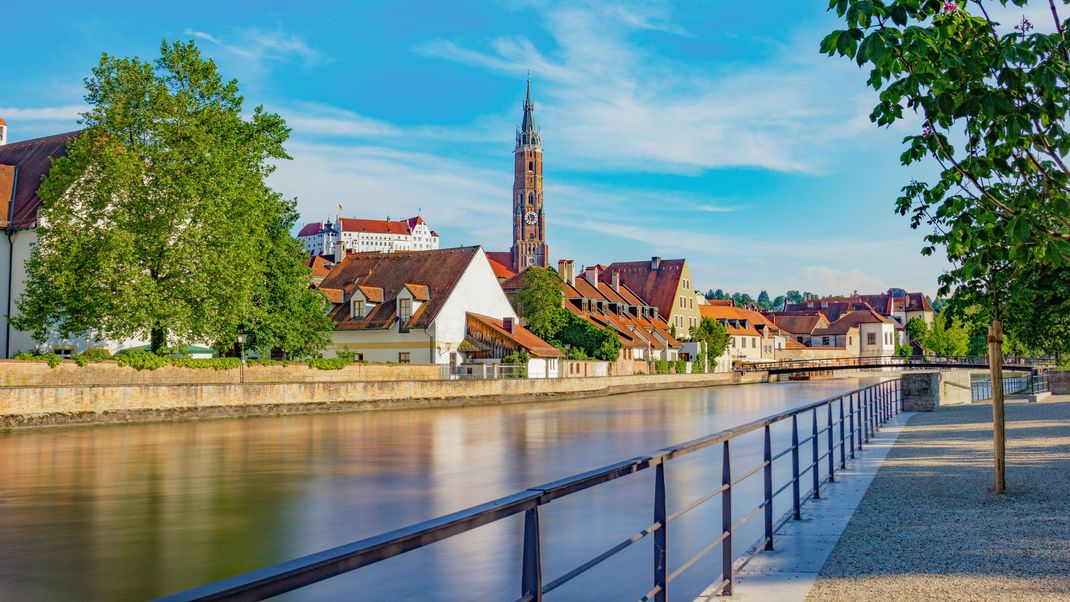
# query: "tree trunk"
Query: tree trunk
999,422
157,339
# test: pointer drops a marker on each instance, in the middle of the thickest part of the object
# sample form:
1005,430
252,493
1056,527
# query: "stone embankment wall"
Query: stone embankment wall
179,392
927,391
1059,382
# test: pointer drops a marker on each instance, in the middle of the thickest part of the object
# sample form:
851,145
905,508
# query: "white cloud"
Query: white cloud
250,50
613,104
60,113
825,280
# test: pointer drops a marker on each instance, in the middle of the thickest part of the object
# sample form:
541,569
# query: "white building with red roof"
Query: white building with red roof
368,235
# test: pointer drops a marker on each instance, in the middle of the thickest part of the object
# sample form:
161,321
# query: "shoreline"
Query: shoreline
233,400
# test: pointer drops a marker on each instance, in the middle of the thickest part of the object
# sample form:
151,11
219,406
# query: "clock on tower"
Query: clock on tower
529,224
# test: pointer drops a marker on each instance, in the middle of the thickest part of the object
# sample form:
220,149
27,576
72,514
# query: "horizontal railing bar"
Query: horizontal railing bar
696,503
746,518
782,454
786,485
562,487
690,561
650,594
563,579
750,473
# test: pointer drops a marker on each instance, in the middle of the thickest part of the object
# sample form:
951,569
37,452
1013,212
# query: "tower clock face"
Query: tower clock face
530,218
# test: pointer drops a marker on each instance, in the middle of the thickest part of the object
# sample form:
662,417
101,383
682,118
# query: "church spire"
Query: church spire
529,134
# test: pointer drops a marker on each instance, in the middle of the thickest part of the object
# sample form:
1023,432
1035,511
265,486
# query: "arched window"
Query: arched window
531,197
531,166
531,236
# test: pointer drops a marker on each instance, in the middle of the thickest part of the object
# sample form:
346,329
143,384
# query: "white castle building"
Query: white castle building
362,235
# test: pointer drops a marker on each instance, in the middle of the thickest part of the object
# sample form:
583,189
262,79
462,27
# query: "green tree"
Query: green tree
540,301
793,297
778,303
594,342
917,330
1038,316
716,337
158,222
763,300
948,336
992,99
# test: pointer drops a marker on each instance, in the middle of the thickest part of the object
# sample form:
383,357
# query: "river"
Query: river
128,512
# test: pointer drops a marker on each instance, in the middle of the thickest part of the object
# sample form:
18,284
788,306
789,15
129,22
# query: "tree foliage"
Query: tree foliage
993,105
716,337
917,330
158,222
948,336
539,302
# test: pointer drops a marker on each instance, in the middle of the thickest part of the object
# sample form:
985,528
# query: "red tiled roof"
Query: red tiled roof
852,320
373,294
721,302
800,322
333,295
375,226
310,229
320,266
500,269
521,337
420,292
33,158
658,286
439,270
503,257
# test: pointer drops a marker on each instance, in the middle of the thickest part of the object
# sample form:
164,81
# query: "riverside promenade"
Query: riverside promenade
929,528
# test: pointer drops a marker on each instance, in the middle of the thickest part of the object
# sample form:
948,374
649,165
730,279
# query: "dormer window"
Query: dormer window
404,308
358,308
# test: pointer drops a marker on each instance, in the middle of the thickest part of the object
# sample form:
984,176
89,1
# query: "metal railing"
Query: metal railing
1039,383
1012,385
837,426
878,361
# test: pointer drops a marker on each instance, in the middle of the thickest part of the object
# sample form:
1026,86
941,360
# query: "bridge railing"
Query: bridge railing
838,426
883,360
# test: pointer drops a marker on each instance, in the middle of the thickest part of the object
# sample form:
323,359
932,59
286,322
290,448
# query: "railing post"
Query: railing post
832,447
726,521
661,536
852,400
531,585
795,503
768,489
817,463
843,441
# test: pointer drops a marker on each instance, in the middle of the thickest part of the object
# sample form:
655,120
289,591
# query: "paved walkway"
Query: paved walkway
788,572
929,527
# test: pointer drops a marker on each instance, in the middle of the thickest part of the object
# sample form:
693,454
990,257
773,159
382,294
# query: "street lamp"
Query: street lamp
241,369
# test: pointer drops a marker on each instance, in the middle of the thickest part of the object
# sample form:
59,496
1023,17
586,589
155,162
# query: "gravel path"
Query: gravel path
929,527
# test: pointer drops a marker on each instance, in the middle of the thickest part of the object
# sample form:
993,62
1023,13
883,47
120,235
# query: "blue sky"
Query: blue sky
710,130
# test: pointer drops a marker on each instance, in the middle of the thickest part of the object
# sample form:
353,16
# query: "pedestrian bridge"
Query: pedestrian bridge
894,361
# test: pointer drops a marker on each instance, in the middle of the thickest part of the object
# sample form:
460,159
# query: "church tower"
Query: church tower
529,224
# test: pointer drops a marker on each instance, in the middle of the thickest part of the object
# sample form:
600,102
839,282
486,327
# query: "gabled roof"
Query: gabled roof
320,265
373,294
438,270
852,320
501,271
420,292
657,286
800,322
29,161
520,337
503,257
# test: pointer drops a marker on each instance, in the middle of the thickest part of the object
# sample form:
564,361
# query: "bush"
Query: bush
140,359
662,366
328,363
347,355
51,359
267,362
214,363
681,366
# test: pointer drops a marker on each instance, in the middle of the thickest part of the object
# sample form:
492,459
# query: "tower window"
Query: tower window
531,166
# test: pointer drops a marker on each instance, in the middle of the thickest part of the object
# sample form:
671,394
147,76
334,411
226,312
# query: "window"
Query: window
403,357
531,166
358,308
404,308
754,343
871,338
824,341
733,341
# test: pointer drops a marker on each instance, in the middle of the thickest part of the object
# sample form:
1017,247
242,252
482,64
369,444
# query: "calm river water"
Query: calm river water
130,512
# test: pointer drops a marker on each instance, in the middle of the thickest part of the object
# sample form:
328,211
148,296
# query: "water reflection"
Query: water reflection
136,511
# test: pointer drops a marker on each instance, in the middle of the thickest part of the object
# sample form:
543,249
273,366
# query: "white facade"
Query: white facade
878,339
477,291
362,236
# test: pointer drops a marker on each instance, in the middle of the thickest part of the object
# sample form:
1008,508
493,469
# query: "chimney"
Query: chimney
591,274
566,269
509,325
655,263
3,132
339,251
616,281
